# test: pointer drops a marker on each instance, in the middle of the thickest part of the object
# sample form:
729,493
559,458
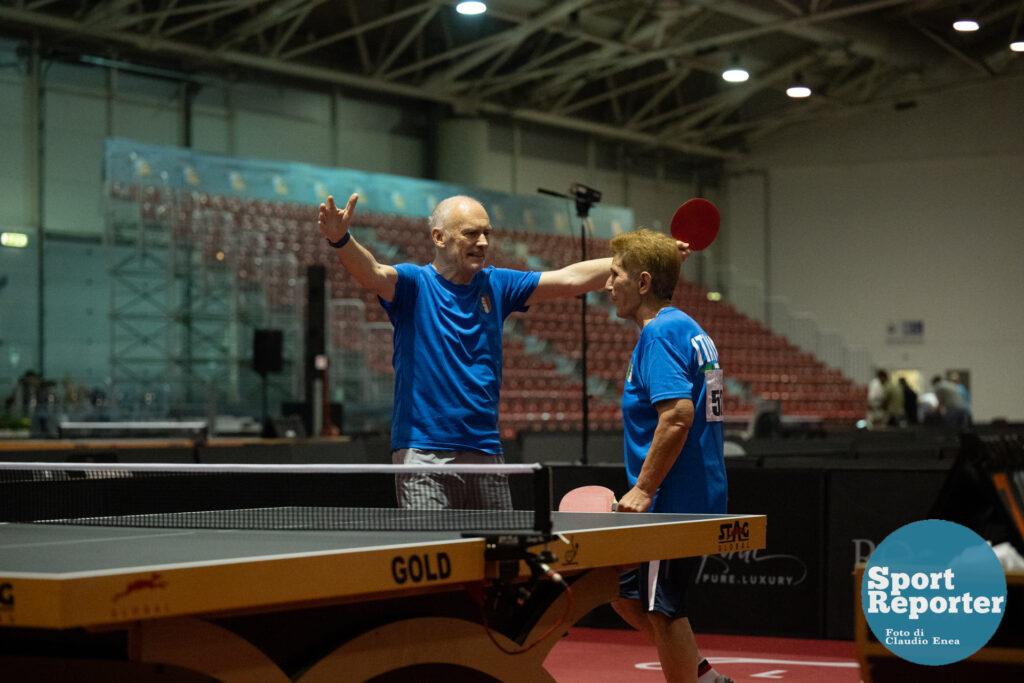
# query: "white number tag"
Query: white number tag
713,396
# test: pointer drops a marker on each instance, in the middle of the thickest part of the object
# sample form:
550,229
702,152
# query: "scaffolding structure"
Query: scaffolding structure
186,298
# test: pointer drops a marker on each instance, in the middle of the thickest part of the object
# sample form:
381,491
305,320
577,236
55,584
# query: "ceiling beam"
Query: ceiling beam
323,75
978,66
678,77
495,44
158,25
229,9
900,49
636,84
729,100
410,36
356,30
272,15
296,23
118,15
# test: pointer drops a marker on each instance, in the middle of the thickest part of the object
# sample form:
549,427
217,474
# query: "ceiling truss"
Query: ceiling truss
646,72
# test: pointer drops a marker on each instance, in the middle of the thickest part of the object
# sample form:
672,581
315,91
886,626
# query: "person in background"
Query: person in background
928,410
956,379
909,402
878,400
951,404
673,435
893,404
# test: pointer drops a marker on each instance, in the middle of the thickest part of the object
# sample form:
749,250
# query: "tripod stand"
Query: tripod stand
584,198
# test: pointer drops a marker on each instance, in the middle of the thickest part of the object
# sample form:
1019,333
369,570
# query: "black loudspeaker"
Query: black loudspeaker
316,277
316,281
267,347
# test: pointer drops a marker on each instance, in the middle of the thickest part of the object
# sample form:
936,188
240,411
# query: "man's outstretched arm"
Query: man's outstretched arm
334,225
581,277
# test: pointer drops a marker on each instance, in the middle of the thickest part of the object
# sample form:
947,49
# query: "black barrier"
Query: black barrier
564,478
985,488
865,506
776,591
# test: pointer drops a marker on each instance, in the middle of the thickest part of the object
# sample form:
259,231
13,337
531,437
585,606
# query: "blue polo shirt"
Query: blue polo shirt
675,358
447,355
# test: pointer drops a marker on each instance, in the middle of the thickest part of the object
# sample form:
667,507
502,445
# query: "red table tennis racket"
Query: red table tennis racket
696,222
589,499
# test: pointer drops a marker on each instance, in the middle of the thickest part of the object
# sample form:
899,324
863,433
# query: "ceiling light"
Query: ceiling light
797,89
965,25
735,74
1016,44
471,7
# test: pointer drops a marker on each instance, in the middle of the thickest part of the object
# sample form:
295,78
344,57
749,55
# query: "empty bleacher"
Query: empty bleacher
269,245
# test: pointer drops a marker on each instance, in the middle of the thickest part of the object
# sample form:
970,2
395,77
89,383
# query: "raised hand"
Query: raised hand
335,222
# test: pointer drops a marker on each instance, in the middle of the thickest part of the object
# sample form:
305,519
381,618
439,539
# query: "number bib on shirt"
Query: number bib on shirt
713,400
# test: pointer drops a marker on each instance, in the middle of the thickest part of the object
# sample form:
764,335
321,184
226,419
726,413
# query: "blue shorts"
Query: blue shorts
661,585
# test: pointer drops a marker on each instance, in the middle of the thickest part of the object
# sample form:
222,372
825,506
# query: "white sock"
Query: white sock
709,675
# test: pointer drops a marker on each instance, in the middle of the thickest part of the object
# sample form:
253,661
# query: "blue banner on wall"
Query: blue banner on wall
179,169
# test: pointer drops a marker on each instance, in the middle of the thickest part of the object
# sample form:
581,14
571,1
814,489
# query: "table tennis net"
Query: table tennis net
262,497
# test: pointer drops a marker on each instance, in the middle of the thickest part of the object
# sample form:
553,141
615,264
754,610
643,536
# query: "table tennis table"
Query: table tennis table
118,603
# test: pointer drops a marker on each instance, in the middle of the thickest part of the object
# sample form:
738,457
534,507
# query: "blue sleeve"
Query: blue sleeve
668,370
514,287
405,290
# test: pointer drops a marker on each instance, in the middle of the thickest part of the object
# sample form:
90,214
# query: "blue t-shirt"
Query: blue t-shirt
447,355
675,358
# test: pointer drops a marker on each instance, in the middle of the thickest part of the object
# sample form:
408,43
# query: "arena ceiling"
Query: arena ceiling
647,72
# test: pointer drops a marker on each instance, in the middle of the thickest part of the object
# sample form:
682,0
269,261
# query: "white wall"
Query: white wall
918,214
17,204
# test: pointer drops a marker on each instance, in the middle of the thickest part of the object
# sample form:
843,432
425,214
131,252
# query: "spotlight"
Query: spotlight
1016,44
735,73
966,25
471,7
798,90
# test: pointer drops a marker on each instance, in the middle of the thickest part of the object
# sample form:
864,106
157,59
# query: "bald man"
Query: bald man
448,317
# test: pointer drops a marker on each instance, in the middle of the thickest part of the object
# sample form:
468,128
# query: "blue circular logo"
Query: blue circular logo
933,592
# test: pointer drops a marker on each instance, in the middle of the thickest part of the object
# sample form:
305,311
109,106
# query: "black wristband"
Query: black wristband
342,242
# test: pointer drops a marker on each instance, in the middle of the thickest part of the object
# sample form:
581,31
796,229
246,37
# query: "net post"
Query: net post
542,500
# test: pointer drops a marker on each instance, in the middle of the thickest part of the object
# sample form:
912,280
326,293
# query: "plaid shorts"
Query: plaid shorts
450,491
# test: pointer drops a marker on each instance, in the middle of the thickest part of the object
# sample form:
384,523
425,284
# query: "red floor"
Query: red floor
589,655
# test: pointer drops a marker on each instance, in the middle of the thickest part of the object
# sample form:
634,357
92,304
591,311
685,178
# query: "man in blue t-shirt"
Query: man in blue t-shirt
448,319
672,421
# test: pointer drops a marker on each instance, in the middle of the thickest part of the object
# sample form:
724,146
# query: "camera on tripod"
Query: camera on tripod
584,194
